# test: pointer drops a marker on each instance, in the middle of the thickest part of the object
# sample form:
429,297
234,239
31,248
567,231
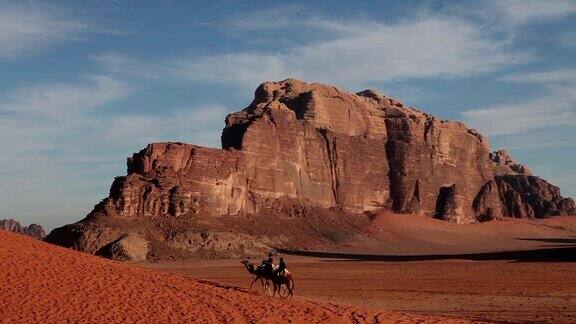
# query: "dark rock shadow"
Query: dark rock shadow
560,253
551,240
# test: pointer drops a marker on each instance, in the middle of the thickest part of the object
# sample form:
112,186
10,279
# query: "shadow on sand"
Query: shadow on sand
565,252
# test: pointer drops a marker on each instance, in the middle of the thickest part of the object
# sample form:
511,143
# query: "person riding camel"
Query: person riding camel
281,268
270,260
268,264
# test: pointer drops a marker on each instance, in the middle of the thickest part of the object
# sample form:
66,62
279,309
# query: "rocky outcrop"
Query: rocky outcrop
129,248
34,230
523,195
504,165
310,153
532,197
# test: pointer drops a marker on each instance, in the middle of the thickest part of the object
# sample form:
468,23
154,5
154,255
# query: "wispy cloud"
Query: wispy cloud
63,118
61,150
556,107
66,140
39,117
26,28
64,101
520,12
344,52
550,138
450,44
566,75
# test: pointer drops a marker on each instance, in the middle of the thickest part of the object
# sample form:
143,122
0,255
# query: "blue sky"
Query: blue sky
83,84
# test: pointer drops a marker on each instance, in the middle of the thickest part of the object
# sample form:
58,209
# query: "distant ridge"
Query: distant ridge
34,230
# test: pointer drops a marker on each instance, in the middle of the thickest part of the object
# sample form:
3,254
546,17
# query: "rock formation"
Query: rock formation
504,165
129,248
523,195
34,230
317,154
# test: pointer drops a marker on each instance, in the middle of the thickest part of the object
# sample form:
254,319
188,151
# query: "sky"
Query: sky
84,84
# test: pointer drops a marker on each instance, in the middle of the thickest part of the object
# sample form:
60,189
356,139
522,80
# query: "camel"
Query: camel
264,276
284,280
259,272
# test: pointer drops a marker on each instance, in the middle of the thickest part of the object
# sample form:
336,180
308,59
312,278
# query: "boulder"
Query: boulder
131,247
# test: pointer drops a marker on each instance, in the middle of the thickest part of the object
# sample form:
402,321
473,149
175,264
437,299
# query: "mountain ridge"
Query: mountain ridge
313,154
34,230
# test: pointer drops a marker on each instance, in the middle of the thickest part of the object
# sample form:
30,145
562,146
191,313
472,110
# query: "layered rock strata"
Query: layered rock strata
316,147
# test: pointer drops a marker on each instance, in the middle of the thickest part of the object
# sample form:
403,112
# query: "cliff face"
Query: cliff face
34,230
523,195
312,146
317,145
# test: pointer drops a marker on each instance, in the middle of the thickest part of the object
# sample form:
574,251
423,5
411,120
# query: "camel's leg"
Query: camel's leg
281,289
252,284
290,286
268,290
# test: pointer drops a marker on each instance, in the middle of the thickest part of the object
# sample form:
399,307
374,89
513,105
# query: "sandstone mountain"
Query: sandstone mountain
34,230
305,164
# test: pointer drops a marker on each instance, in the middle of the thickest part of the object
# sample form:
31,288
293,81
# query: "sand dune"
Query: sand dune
393,233
48,284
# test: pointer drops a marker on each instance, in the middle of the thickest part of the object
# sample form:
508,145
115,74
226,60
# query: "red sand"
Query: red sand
502,290
42,283
414,234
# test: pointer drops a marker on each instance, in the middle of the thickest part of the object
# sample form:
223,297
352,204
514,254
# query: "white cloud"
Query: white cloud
353,52
556,107
520,12
25,29
519,118
65,153
64,101
539,139
58,142
423,48
246,69
198,125
46,117
347,53
63,117
566,75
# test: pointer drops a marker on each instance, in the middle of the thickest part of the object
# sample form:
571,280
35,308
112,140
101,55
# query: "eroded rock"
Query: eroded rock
131,247
505,165
532,197
317,149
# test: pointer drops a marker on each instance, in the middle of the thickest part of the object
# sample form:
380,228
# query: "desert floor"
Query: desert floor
42,283
408,270
509,271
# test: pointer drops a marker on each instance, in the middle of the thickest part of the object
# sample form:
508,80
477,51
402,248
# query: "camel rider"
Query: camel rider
268,264
270,260
281,268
